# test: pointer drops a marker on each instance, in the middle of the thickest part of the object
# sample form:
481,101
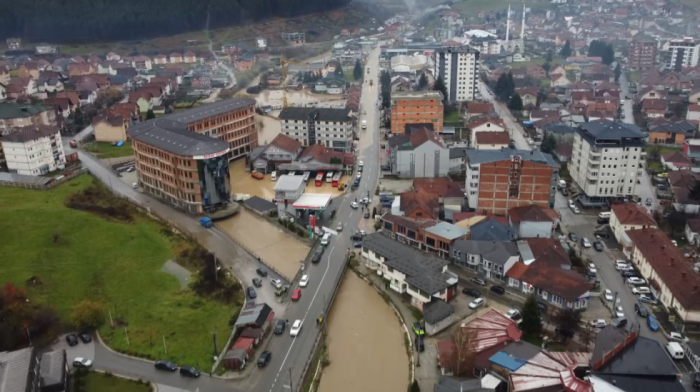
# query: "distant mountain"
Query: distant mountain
72,21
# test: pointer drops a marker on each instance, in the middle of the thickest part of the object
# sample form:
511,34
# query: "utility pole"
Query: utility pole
127,335
291,386
216,349
165,348
29,336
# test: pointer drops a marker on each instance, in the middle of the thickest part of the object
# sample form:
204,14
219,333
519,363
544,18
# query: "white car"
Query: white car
641,290
276,282
586,243
296,327
513,314
623,267
591,268
80,362
476,303
600,323
361,164
340,227
304,281
635,280
574,209
608,295
530,141
675,336
135,185
619,313
354,205
359,175
364,200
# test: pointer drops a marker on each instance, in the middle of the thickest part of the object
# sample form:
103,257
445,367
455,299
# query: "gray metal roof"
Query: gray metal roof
170,132
452,384
458,152
289,183
475,157
319,114
14,370
677,127
495,251
52,368
447,230
612,130
259,204
558,127
491,230
437,311
13,177
254,314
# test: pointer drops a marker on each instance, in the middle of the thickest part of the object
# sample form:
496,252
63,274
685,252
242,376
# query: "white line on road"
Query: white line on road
328,265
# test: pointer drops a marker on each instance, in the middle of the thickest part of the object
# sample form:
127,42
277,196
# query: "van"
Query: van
562,184
364,124
326,238
273,176
675,350
604,215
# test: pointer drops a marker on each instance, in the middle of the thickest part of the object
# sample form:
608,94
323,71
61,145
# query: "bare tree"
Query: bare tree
587,335
463,355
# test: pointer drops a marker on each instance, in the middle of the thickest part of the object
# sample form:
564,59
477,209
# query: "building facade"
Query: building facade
14,115
423,154
332,128
459,69
681,53
183,158
642,55
416,107
498,180
33,150
606,160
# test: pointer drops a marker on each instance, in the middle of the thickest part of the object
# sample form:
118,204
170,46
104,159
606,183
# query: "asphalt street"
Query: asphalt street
512,125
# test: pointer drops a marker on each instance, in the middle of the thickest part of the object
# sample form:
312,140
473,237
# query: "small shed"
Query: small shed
255,315
437,316
235,359
254,333
245,344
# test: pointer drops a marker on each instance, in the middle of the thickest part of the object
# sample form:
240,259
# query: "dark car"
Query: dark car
627,274
602,221
264,358
316,257
602,234
573,237
696,380
257,282
280,327
641,310
618,322
356,237
166,365
662,187
251,292
358,245
261,272
498,289
85,337
598,246
542,306
189,371
71,339
478,281
366,214
471,292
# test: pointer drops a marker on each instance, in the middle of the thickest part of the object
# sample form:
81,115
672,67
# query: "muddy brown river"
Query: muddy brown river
366,343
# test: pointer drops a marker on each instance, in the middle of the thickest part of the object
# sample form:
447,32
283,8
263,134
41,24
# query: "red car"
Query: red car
296,295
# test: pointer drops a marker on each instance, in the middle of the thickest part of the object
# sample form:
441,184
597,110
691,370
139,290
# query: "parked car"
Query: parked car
251,292
418,329
635,280
304,281
165,365
476,303
585,242
264,358
641,290
498,290
478,281
696,380
649,201
514,314
81,362
652,323
598,246
189,371
71,339
85,337
600,323
608,295
591,268
677,337
471,292
296,294
317,256
261,272
647,299
619,312
296,328
627,273
619,322
280,327
573,237
641,310
542,306
662,187
276,282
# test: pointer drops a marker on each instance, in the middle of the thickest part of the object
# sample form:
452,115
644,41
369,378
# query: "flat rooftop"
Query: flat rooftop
312,201
404,95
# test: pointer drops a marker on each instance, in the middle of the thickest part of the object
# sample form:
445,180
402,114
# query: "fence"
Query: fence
42,185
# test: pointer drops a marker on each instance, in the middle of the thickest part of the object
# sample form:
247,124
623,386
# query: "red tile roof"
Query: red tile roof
669,264
492,138
495,121
479,107
440,186
423,135
286,143
677,158
490,329
428,202
632,214
531,213
548,251
517,271
554,280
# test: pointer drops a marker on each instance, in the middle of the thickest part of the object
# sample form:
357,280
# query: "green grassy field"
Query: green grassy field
107,150
452,117
473,7
117,264
99,382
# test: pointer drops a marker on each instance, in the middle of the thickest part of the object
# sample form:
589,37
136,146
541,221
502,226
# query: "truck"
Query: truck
206,222
364,124
281,290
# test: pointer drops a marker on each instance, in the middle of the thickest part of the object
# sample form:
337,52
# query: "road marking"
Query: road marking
328,265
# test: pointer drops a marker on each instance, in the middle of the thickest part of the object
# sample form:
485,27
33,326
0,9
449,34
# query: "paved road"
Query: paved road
514,128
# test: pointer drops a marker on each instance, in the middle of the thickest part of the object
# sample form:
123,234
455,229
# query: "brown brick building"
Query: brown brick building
183,157
498,180
416,107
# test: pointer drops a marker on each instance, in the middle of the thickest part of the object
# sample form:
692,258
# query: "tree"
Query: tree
87,315
505,86
550,56
654,152
694,192
440,86
546,66
357,71
385,82
531,324
462,356
150,114
568,321
414,386
566,50
422,81
516,103
339,71
549,144
618,72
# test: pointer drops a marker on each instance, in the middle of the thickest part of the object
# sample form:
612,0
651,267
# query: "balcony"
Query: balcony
593,154
592,175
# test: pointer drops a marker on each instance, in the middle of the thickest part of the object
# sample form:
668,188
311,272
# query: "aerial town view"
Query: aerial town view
344,196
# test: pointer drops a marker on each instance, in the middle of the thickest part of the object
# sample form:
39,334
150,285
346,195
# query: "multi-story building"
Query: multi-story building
332,128
33,150
459,69
681,53
642,55
422,154
416,107
606,161
183,157
14,115
498,180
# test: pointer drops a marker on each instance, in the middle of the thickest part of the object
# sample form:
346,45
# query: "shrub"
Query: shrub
87,315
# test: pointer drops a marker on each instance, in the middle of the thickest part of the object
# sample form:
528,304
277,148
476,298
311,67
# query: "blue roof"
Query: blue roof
491,230
507,361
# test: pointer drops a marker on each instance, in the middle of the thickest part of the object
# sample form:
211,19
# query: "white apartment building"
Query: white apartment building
606,162
459,69
680,53
332,128
33,150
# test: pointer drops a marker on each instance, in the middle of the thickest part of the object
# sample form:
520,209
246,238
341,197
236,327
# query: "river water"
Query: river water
366,342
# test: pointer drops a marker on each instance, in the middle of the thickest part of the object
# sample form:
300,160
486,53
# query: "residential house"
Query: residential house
3,92
491,140
87,97
423,277
629,216
189,58
111,56
111,128
681,181
72,96
559,80
53,371
63,106
30,69
142,99
245,62
691,148
282,149
654,108
673,133
330,85
650,93
693,112
21,87
676,160
450,195
692,231
562,133
491,259
49,85
557,69
33,150
478,109
81,69
420,205
14,43
420,154
20,370
160,59
533,221
485,124
175,58
528,95
201,81
142,63
671,277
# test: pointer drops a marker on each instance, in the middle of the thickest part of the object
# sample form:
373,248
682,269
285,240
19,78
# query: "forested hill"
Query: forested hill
108,20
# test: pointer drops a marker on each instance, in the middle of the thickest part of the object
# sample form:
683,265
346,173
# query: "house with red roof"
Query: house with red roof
629,216
676,160
533,221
